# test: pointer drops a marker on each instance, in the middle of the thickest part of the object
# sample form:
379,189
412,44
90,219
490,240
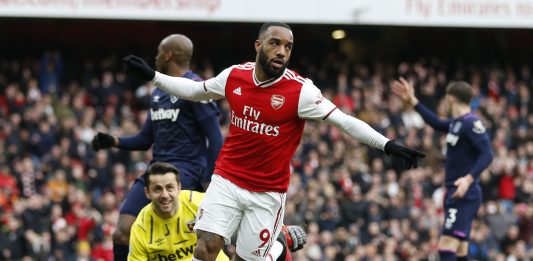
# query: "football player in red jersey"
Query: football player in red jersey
269,106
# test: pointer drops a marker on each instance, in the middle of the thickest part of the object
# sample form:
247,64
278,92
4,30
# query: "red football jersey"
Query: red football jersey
265,130
267,121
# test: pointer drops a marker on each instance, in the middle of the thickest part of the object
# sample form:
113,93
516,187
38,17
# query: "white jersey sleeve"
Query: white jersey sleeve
312,105
217,84
183,88
188,89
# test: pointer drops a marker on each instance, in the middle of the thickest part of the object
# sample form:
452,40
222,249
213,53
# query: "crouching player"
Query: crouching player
163,229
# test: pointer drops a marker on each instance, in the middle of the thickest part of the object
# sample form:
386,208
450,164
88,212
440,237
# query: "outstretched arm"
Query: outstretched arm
406,92
313,105
367,135
180,87
184,88
356,128
142,140
432,119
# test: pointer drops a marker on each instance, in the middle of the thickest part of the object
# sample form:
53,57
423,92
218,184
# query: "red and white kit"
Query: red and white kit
267,121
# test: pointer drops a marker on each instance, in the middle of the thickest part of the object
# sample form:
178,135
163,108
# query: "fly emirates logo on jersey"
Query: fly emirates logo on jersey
250,122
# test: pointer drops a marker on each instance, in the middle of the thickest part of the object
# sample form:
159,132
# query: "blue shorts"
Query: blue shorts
136,199
459,213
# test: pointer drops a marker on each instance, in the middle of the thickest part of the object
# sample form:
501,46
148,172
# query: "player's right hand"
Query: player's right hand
139,67
462,184
405,91
103,141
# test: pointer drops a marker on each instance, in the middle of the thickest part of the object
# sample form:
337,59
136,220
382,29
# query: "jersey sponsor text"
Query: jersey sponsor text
452,139
180,253
162,114
252,125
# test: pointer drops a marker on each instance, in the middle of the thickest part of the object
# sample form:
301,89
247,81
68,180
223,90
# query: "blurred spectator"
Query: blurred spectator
50,72
9,191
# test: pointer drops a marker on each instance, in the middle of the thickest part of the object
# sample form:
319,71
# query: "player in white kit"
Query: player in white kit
269,105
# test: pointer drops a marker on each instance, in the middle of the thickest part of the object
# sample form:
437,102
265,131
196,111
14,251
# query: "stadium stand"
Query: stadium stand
59,199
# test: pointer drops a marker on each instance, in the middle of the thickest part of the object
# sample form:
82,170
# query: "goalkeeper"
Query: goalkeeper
163,229
183,133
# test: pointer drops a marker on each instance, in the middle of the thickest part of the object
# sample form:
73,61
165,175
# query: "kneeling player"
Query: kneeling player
163,229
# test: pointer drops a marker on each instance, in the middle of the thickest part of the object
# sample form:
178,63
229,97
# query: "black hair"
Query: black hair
160,168
267,25
461,90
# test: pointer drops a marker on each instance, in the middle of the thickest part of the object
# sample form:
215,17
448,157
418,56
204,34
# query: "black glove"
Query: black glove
103,141
298,236
139,67
410,156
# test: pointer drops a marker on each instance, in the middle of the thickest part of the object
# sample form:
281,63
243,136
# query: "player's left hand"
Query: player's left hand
139,67
410,156
462,185
298,237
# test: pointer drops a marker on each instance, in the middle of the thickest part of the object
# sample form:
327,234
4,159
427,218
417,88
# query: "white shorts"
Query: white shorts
256,217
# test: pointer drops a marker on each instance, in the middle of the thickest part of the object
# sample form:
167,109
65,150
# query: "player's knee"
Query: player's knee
202,252
208,246
463,249
121,235
448,243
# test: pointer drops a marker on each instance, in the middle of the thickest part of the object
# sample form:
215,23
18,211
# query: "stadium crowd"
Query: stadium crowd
59,199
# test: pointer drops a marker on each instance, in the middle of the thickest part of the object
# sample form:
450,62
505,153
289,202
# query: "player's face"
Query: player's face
274,50
449,101
163,191
160,61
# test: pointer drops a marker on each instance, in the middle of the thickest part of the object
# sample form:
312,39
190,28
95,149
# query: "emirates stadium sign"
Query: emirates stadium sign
460,13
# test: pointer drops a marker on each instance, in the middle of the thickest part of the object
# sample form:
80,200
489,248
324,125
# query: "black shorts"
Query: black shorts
459,213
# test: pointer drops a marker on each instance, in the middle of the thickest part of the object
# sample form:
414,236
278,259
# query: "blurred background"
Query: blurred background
61,82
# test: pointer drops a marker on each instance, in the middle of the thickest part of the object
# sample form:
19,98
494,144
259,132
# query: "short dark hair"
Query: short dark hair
460,90
160,168
267,25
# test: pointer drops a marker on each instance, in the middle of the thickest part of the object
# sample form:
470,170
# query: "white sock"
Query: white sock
276,250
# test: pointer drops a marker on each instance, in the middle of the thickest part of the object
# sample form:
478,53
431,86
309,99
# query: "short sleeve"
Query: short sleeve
137,248
191,199
218,84
197,197
312,105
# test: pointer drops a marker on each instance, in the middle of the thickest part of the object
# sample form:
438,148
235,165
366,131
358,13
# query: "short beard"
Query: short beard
162,69
267,68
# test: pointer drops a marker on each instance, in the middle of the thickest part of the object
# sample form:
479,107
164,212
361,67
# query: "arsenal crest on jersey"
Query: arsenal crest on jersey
277,101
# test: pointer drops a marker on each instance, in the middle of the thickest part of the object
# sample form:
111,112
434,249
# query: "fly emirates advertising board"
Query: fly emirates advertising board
453,13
